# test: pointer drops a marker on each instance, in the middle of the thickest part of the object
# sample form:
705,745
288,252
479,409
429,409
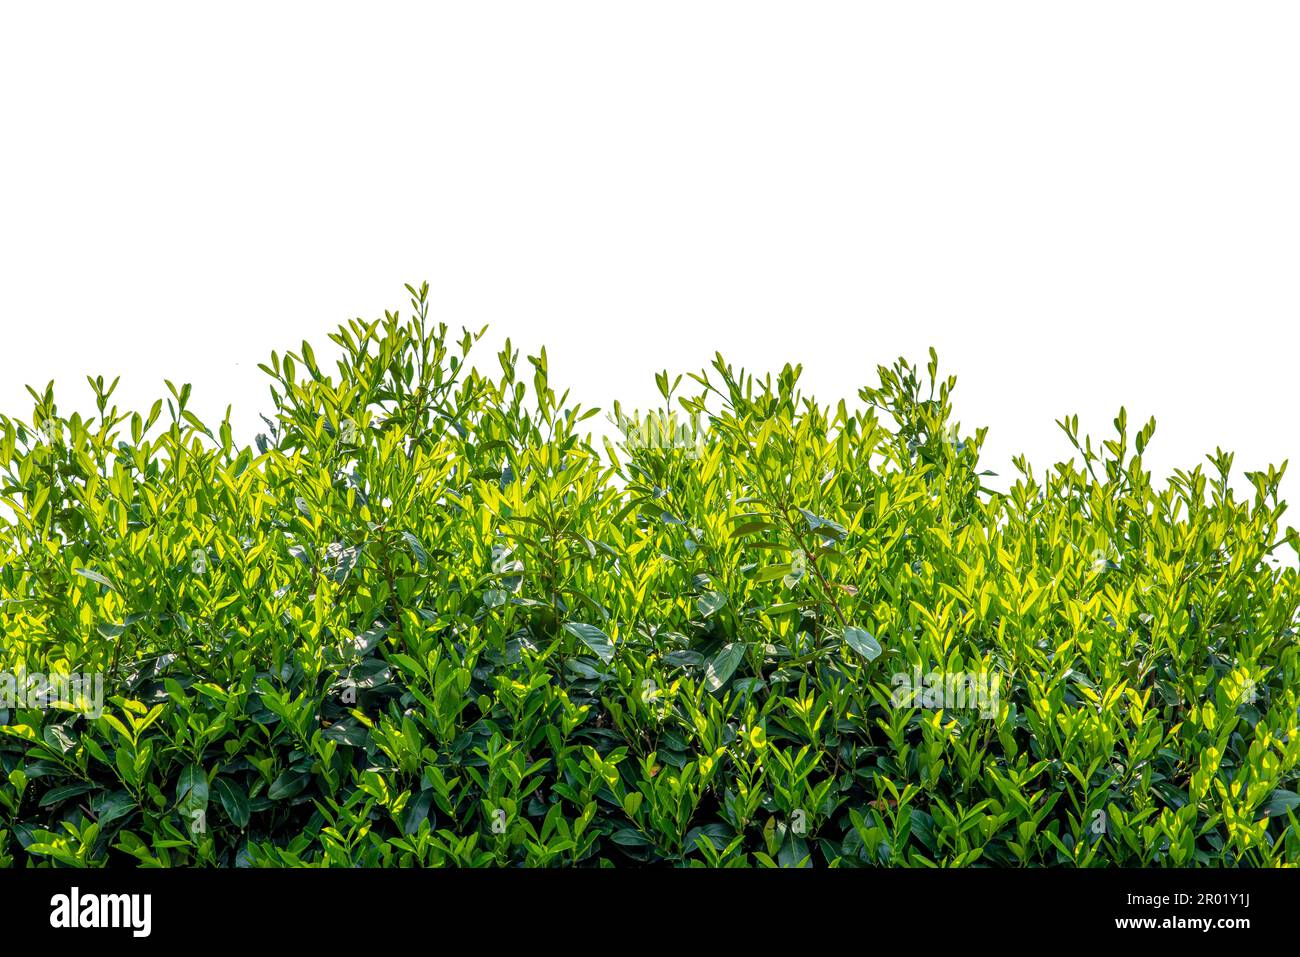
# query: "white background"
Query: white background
1080,205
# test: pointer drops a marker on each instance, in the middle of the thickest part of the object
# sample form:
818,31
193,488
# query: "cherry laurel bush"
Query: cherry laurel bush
426,618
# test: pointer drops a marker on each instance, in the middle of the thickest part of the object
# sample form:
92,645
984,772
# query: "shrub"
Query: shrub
428,620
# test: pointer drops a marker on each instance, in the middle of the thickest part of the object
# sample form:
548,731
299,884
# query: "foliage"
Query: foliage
426,620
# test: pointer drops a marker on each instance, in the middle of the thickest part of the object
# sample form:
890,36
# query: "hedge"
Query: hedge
427,619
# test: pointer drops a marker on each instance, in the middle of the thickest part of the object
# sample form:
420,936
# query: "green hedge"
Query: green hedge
428,620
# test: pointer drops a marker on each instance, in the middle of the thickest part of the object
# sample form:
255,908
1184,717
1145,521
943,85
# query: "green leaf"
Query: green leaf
718,835
348,732
192,788
56,736
95,577
60,794
862,641
1280,801
417,549
593,638
111,806
753,527
288,785
773,572
364,643
710,603
823,526
723,665
234,801
416,812
628,837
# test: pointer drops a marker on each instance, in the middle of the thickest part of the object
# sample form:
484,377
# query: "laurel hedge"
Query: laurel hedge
426,619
